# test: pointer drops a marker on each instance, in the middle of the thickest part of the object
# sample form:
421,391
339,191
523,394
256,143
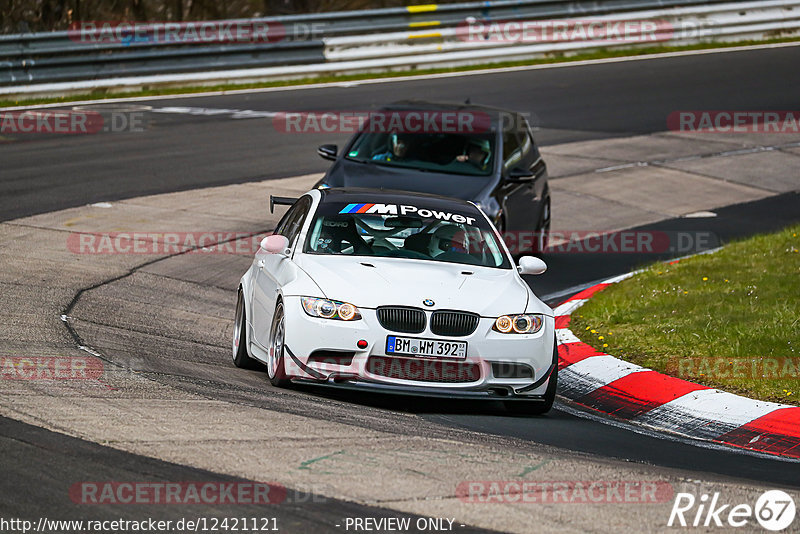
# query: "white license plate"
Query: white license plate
430,348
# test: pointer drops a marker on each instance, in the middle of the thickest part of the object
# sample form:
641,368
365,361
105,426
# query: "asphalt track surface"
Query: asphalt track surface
40,174
179,152
40,488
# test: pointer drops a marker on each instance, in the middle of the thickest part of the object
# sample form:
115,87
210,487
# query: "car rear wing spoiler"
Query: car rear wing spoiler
283,201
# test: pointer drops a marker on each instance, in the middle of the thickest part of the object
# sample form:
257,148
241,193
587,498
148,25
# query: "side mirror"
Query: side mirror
275,244
328,152
531,265
518,174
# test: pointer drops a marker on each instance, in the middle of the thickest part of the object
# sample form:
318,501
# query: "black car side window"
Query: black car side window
292,221
280,229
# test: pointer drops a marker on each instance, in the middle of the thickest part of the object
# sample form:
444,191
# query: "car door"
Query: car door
275,270
533,161
522,206
516,204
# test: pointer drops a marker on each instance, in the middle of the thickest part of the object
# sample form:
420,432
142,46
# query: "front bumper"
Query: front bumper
488,352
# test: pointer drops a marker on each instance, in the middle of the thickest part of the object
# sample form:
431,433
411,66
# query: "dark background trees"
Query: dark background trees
20,16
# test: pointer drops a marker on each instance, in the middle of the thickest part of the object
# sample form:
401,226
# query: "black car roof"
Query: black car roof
353,195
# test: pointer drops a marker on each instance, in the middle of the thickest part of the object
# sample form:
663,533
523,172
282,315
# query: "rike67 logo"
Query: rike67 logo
774,510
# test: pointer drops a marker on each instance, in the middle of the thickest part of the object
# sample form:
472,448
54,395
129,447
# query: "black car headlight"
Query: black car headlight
526,323
330,309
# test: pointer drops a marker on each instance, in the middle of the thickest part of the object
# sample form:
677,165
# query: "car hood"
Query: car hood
370,282
345,173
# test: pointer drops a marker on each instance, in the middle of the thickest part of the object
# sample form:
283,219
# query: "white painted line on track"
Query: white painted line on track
210,112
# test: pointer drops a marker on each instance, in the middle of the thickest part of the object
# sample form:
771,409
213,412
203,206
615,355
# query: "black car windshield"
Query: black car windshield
404,231
467,154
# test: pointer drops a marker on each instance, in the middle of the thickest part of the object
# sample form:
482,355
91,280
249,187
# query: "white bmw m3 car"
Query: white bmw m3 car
396,292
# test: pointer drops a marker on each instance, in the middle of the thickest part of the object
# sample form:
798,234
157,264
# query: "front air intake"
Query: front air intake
424,370
402,319
453,323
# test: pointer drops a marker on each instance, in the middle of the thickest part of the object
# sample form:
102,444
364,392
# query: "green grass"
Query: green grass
729,320
554,58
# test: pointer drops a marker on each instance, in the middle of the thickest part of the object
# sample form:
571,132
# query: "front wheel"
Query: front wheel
240,356
276,368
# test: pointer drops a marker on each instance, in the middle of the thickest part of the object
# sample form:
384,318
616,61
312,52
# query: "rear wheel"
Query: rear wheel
538,407
276,368
239,346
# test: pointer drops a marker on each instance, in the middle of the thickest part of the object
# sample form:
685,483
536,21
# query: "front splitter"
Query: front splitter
416,391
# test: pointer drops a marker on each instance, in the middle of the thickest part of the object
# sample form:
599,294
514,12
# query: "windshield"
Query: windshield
471,154
404,231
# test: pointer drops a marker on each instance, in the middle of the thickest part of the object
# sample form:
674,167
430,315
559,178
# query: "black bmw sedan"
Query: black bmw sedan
483,154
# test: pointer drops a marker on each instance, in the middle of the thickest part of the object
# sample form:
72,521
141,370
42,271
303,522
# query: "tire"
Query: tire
239,346
276,368
543,229
538,407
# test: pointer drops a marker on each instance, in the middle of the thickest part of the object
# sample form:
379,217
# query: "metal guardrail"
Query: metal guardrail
680,25
56,56
396,19
136,60
356,41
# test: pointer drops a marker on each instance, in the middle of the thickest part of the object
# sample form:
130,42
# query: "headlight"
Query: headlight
330,309
526,323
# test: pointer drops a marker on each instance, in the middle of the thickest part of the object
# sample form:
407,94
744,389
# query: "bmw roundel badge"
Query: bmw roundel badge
428,302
